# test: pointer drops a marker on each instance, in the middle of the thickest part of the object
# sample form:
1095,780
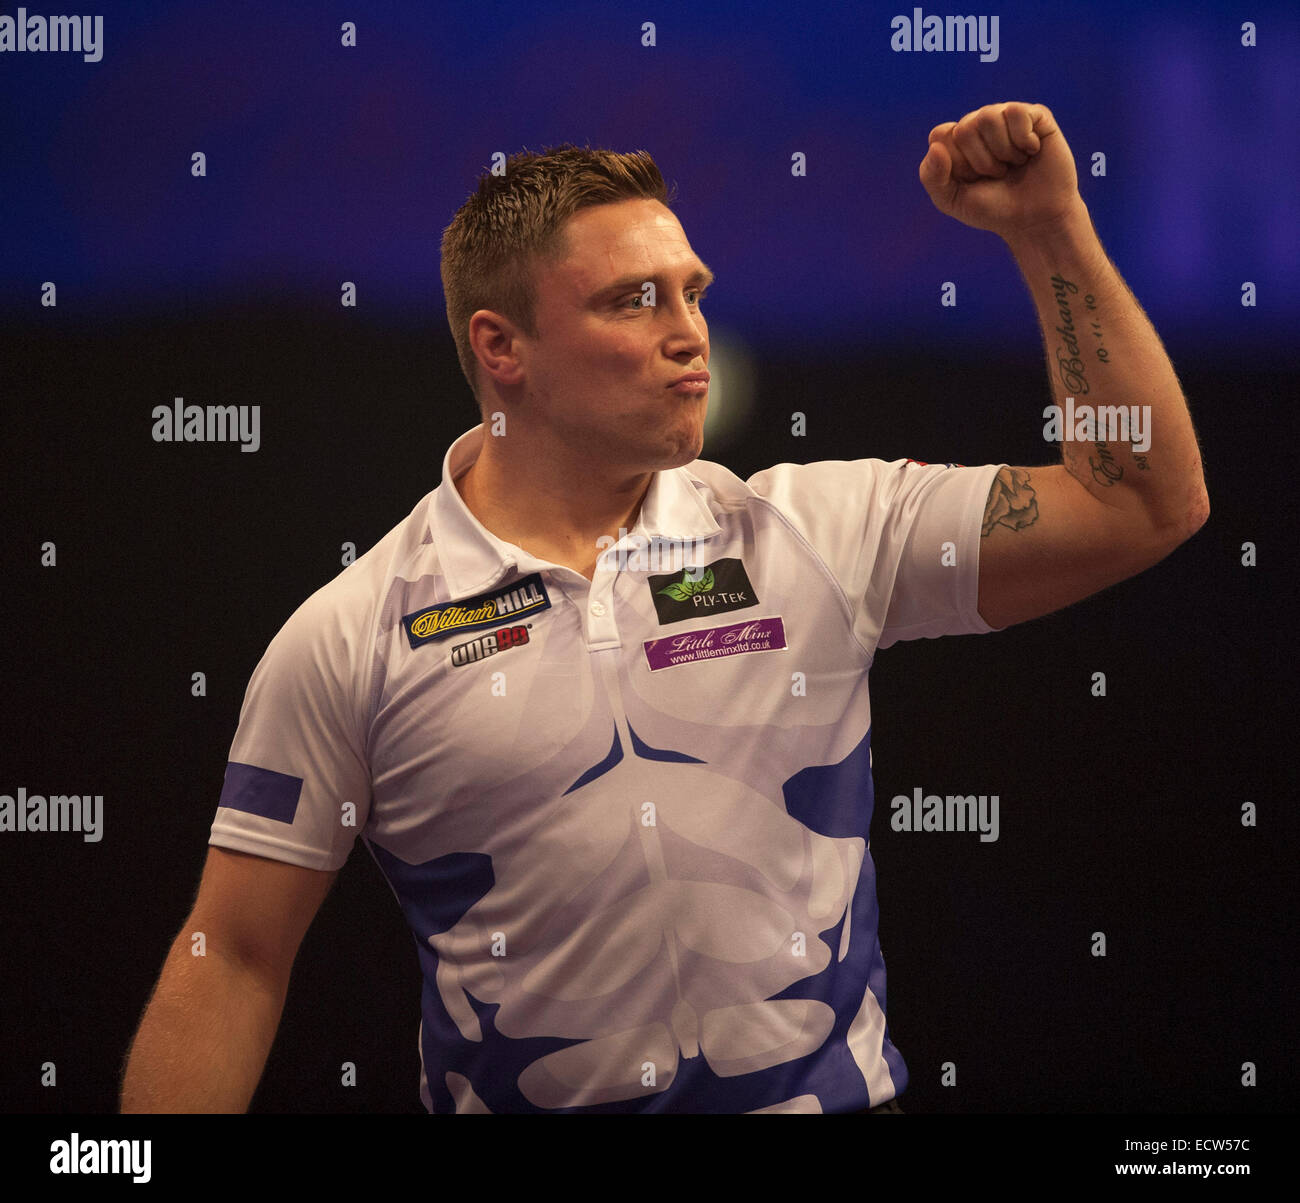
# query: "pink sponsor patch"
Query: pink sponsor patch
757,635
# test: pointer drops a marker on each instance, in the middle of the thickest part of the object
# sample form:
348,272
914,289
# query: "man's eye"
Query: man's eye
637,299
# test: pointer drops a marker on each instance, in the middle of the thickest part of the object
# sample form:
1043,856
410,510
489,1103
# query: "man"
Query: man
599,709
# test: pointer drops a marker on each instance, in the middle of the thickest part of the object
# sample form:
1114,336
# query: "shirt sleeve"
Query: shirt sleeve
901,537
297,786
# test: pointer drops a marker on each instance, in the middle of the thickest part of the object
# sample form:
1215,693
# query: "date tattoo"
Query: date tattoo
1090,304
1070,363
1011,502
1103,467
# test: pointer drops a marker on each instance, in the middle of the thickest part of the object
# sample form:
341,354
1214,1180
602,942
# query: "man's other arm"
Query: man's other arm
206,1032
1111,508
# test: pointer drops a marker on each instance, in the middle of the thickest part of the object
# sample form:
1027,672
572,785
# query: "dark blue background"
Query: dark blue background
326,163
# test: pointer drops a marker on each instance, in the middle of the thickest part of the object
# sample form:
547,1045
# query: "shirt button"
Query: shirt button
598,609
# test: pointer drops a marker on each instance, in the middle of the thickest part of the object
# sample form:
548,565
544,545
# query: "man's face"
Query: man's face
602,370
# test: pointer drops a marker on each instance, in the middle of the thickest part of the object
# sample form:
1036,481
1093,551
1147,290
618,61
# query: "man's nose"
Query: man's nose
688,330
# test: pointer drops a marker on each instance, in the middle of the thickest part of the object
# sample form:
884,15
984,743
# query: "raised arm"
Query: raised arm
1130,486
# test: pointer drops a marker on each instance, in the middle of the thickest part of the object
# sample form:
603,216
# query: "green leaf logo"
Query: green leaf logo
687,587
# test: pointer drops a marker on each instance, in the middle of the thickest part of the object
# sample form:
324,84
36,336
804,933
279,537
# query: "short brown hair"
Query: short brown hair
491,247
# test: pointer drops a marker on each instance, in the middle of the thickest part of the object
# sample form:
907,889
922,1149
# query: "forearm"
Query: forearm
204,1038
1103,352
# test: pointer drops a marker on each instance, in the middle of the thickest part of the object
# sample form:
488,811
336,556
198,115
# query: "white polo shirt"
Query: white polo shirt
626,818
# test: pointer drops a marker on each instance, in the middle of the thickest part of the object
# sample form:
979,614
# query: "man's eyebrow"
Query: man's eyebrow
701,277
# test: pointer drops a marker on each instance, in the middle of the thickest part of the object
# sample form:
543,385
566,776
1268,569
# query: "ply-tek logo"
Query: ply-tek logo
474,613
713,589
488,645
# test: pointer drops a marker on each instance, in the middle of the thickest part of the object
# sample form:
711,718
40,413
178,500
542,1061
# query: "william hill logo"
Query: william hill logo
714,589
483,610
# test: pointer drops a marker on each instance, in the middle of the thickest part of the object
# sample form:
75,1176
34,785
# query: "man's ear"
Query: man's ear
495,340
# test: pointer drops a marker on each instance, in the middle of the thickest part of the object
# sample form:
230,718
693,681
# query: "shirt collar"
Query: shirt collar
473,558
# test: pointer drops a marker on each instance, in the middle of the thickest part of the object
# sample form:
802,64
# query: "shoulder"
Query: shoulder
793,488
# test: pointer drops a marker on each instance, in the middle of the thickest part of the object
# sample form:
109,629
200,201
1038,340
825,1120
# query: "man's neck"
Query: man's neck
553,510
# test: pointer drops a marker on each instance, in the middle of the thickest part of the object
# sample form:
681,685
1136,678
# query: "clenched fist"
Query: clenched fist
1004,167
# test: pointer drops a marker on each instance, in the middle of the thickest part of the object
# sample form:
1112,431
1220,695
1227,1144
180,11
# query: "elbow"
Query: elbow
1173,533
1196,516
1199,515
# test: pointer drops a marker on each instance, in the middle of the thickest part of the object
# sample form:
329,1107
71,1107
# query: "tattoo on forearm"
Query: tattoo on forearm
1011,502
1069,360
1105,468
1090,304
1069,355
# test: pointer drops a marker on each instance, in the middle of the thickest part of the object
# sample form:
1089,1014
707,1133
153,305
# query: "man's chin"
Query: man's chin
659,451
684,453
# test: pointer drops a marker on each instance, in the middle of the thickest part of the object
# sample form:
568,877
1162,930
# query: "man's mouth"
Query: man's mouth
692,382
